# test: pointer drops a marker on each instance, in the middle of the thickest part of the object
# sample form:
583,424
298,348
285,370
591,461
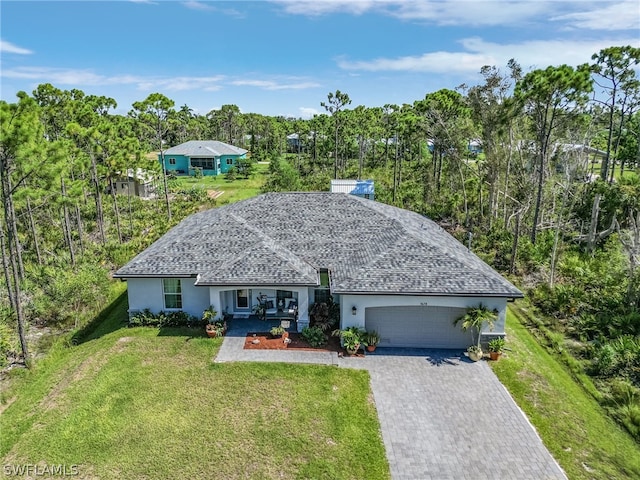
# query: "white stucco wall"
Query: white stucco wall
147,293
361,302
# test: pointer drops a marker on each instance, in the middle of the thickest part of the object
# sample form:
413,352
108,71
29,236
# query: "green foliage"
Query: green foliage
623,402
283,177
8,343
475,318
245,167
162,319
209,315
372,338
67,297
352,337
497,345
231,174
277,331
314,336
619,357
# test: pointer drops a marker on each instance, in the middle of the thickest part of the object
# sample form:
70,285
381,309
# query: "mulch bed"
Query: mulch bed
267,342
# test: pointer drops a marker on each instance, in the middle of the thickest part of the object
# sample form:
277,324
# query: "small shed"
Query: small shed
359,188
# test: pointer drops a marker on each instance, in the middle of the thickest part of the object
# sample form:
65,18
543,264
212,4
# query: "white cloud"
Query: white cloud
487,12
615,15
437,62
208,7
271,85
194,5
81,78
623,15
477,53
209,84
441,12
308,112
315,8
8,47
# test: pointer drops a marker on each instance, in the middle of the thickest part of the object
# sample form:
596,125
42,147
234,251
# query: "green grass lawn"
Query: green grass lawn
149,403
233,191
573,426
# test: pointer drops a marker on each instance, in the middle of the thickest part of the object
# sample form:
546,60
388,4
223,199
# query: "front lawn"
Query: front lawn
583,439
149,403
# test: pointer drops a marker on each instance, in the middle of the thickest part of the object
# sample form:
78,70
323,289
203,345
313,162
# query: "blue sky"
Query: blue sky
284,57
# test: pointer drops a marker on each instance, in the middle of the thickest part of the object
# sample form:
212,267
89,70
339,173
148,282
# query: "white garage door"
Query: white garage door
416,326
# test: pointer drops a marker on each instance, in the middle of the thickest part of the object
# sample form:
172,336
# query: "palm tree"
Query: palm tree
475,318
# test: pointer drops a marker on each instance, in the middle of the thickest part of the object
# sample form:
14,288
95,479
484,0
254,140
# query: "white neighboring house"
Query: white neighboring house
139,183
389,269
360,188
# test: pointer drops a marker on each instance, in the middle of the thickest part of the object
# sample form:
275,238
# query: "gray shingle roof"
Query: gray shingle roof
204,148
285,238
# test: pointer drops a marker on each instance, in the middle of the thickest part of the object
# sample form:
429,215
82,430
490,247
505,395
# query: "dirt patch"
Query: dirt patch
266,342
213,194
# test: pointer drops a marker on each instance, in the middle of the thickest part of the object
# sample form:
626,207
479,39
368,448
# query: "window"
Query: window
242,298
172,161
323,293
204,163
172,290
229,161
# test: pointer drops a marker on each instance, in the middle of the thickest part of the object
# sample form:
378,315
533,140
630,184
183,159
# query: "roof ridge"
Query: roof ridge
282,252
464,255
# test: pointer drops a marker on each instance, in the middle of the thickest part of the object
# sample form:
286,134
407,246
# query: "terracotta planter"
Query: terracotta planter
213,333
494,355
371,348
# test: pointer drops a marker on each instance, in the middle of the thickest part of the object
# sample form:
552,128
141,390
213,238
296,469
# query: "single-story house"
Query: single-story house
389,269
213,157
139,183
360,188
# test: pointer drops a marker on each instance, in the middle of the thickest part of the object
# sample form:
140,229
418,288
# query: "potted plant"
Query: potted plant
475,319
260,311
277,331
209,315
216,329
474,352
352,338
496,347
371,340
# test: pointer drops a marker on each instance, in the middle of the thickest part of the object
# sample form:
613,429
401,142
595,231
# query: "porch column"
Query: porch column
303,308
215,299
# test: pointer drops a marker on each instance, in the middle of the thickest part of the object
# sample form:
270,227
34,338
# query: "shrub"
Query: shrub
618,358
146,318
277,331
314,336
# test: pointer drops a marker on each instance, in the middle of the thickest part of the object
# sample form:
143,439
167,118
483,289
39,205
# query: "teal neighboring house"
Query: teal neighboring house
211,156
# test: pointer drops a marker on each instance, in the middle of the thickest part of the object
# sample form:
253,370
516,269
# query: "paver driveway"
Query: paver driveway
444,417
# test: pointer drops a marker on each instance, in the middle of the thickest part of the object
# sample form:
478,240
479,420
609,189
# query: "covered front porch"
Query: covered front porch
265,304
